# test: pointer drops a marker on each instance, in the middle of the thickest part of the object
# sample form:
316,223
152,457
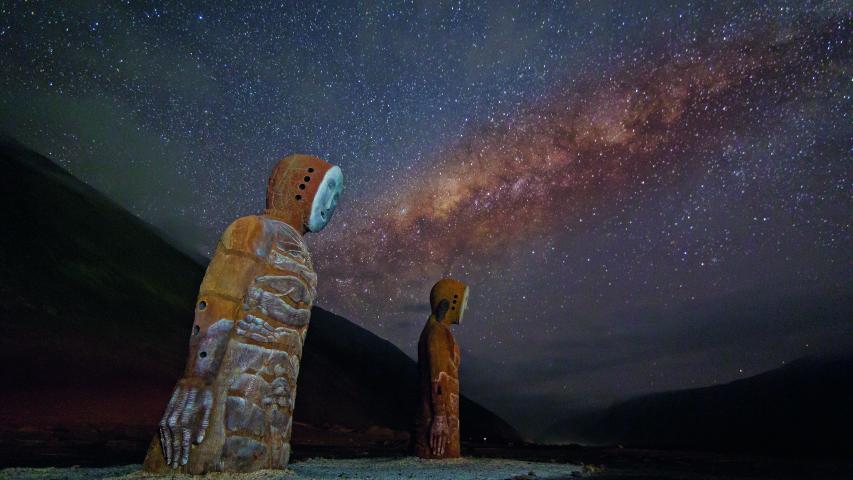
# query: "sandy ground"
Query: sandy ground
337,469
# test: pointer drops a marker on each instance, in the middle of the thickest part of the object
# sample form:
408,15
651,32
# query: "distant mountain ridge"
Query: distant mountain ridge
96,308
804,407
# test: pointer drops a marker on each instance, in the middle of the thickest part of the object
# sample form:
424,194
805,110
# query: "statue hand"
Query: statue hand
186,419
439,435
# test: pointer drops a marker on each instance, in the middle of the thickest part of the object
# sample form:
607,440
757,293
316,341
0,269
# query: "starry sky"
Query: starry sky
643,196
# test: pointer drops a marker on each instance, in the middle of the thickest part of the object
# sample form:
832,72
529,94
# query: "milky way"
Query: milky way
604,142
642,196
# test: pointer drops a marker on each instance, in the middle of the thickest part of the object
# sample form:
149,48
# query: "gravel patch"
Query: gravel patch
336,469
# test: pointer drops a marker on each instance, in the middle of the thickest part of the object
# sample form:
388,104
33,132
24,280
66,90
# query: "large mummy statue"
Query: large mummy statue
232,410
437,424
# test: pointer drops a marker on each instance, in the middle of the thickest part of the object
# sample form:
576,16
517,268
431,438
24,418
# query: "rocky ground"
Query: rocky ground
337,469
517,463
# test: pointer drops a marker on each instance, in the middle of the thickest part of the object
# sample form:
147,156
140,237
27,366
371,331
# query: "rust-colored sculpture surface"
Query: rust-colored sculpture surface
232,410
437,425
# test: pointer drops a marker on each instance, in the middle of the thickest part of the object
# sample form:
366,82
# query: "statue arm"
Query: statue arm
220,297
439,363
439,348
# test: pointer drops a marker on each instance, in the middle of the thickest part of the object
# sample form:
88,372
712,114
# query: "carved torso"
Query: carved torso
252,316
438,366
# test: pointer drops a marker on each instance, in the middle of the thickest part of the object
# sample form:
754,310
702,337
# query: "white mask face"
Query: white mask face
463,306
326,199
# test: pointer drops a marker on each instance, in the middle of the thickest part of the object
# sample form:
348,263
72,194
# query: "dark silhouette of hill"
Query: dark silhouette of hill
95,309
802,408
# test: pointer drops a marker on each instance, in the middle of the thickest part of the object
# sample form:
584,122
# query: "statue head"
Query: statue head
303,190
448,300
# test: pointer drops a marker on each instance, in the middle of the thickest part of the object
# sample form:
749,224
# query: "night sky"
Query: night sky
643,196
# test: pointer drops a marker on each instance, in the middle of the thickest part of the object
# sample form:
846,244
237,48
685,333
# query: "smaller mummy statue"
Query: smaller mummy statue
437,425
232,410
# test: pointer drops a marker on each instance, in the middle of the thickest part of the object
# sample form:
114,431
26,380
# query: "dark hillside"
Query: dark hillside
803,408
